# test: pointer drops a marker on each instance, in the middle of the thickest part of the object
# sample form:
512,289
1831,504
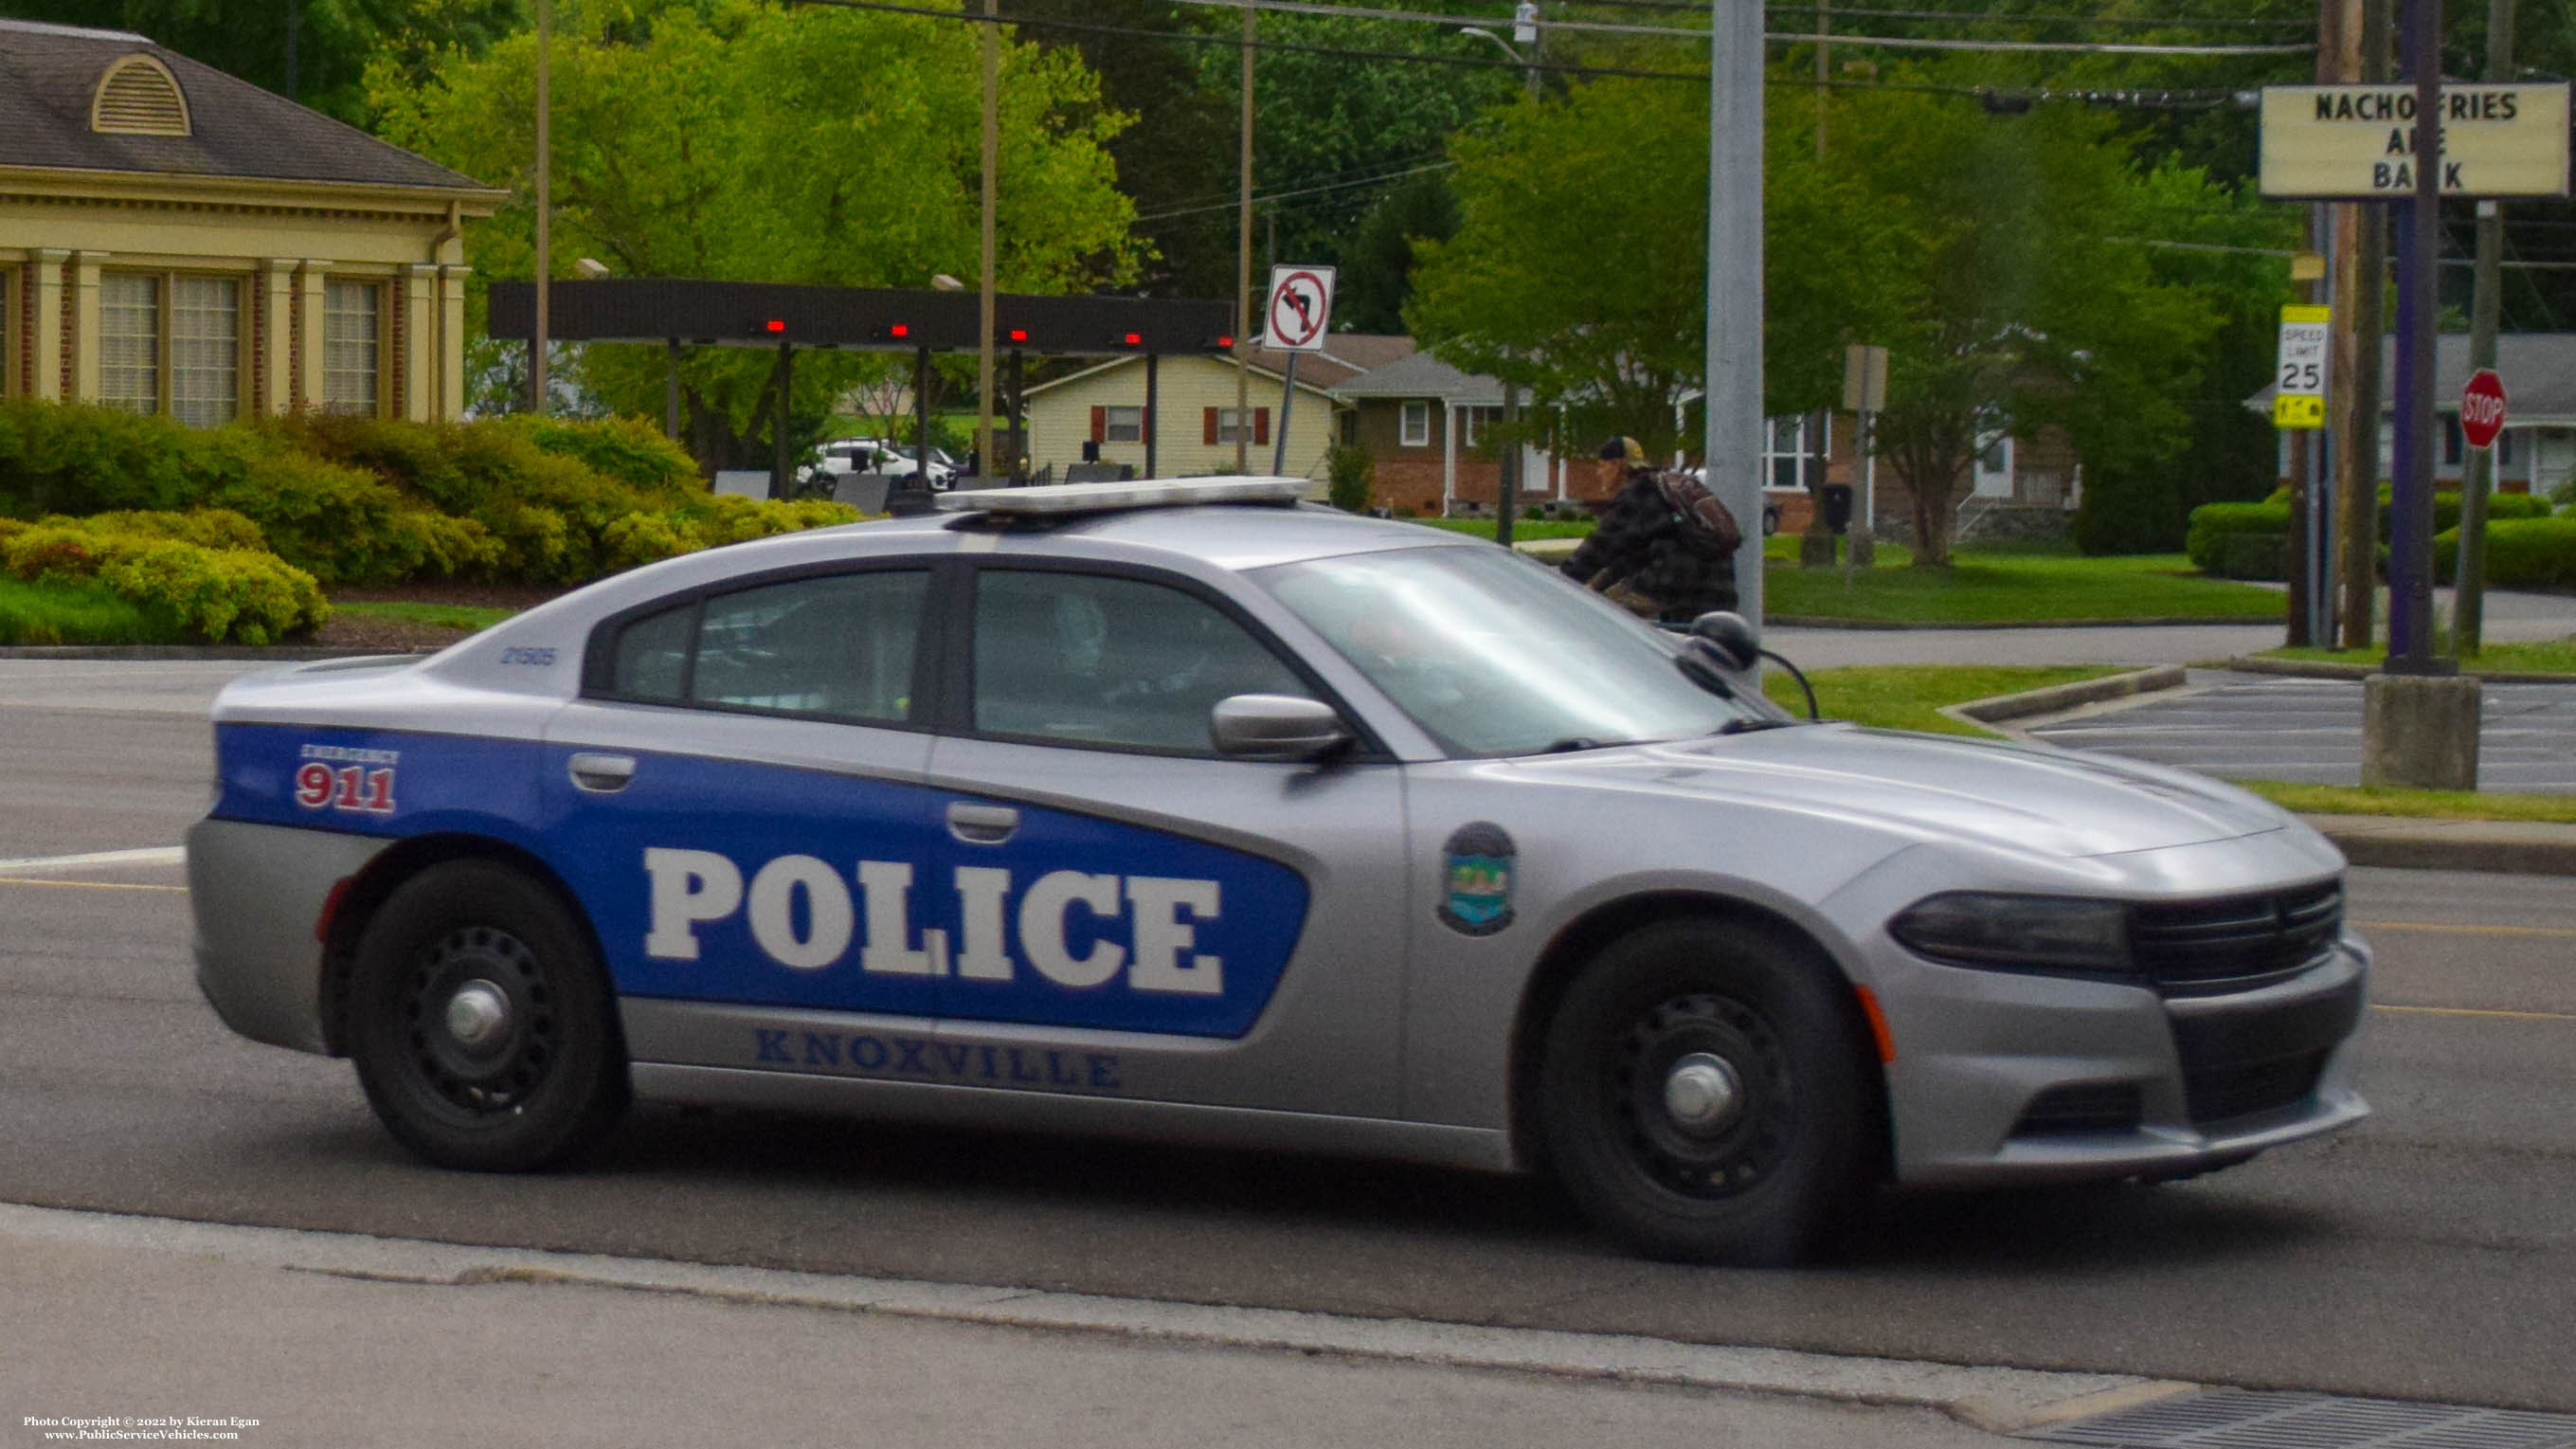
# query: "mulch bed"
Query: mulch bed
366,632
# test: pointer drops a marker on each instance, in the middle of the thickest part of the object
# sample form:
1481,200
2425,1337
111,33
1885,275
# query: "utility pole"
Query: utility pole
1734,333
992,48
2419,233
2468,604
1816,543
1507,471
1243,265
545,211
2360,275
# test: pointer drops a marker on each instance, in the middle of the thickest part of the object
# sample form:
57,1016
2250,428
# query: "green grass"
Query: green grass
2014,586
73,613
468,617
1910,696
1523,529
2545,656
2425,804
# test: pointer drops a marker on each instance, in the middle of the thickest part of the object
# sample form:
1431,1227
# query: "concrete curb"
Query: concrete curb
2320,669
2055,697
1996,1399
167,653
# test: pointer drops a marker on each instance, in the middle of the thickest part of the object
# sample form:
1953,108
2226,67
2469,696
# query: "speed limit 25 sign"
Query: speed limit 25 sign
2299,392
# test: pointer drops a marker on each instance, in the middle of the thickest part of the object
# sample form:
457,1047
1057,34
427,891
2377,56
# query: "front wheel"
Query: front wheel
481,1022
1702,1096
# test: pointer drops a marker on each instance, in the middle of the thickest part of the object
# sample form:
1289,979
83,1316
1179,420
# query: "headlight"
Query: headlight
2018,933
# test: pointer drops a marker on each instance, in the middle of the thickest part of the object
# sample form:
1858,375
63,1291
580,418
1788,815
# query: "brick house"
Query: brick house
174,240
1424,425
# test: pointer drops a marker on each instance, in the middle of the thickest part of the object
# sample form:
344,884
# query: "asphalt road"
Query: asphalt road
2267,727
2429,1253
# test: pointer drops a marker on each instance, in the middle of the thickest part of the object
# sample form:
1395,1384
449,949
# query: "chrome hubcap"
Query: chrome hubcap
478,1016
1702,1092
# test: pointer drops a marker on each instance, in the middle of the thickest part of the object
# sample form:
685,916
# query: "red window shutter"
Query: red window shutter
1207,426
1261,425
1100,425
1145,424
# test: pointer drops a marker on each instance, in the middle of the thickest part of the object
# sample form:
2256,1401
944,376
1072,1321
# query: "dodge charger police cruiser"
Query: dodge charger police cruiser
1183,810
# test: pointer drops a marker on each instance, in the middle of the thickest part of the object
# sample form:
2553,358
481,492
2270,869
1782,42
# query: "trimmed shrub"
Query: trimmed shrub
215,595
2522,553
76,459
204,527
648,537
1353,476
625,449
2213,522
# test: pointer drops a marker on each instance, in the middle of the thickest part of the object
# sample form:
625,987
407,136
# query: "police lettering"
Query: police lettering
802,915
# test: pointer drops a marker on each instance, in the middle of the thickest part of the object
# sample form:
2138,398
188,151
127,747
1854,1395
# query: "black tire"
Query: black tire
1760,1183
536,1070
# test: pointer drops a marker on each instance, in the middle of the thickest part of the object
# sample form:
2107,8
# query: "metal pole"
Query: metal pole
991,42
779,425
1734,329
2322,503
1153,401
921,418
1508,483
671,390
1243,264
545,210
2477,477
1019,422
1287,401
2410,581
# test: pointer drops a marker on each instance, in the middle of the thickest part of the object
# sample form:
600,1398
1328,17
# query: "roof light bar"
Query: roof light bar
1107,497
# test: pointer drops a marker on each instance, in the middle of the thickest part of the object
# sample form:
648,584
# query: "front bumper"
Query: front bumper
2004,1078
256,892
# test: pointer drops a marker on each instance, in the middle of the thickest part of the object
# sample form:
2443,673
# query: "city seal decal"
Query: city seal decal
1476,879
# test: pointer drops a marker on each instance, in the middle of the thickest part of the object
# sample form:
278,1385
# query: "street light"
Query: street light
1507,480
1482,33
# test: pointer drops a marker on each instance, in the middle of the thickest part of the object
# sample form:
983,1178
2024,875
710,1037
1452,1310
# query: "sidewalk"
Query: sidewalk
336,1340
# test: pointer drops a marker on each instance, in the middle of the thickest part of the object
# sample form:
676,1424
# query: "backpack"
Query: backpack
1703,519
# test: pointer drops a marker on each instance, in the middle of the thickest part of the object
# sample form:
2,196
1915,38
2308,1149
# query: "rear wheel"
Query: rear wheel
1702,1096
482,1024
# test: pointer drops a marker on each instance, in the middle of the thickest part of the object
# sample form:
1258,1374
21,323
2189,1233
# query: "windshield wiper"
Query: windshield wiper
1571,743
1748,726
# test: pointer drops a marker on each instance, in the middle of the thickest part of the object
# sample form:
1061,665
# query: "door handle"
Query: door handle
982,824
602,774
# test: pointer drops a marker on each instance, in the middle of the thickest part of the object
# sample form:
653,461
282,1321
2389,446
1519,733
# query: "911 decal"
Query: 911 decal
338,777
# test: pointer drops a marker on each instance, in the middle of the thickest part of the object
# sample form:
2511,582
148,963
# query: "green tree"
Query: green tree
1377,259
335,40
732,140
2025,295
1580,264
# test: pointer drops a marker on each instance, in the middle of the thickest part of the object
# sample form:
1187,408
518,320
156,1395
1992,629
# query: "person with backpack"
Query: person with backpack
1664,536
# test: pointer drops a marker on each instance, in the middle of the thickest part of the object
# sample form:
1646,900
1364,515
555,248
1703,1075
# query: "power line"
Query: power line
1608,27
1963,17
1230,203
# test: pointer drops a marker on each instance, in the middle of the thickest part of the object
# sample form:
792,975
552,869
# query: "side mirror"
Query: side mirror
1732,638
1275,727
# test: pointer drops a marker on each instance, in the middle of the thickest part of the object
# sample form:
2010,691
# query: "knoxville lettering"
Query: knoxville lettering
803,915
945,1061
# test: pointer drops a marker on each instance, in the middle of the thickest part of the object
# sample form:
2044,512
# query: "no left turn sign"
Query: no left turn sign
1301,306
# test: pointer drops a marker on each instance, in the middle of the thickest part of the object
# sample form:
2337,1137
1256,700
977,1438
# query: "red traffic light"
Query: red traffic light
899,330
1225,343
1132,339
775,325
1019,334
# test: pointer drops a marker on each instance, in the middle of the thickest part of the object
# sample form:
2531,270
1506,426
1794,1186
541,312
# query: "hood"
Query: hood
2016,797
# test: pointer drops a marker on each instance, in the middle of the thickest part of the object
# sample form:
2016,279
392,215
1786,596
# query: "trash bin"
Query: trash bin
1838,507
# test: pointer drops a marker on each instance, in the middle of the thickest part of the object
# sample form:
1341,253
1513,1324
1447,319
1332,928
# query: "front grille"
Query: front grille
2087,1107
2215,1094
2202,948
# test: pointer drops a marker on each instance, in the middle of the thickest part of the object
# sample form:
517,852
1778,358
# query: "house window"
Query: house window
1123,425
1784,452
205,349
129,342
1478,421
1229,425
352,346
1417,425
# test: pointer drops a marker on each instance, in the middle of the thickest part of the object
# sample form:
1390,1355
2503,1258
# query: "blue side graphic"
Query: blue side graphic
1141,930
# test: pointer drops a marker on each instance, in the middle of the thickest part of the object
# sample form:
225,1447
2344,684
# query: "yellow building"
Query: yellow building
1195,395
174,240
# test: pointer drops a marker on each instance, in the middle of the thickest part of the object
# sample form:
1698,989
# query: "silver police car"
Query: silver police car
1180,810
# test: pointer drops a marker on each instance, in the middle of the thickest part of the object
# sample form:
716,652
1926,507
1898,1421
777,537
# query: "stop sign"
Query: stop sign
2482,408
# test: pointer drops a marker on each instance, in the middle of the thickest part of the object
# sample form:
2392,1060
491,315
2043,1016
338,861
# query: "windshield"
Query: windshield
1494,655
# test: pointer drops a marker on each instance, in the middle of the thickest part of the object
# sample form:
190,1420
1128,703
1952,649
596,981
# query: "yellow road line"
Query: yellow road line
2479,1011
2458,930
89,885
